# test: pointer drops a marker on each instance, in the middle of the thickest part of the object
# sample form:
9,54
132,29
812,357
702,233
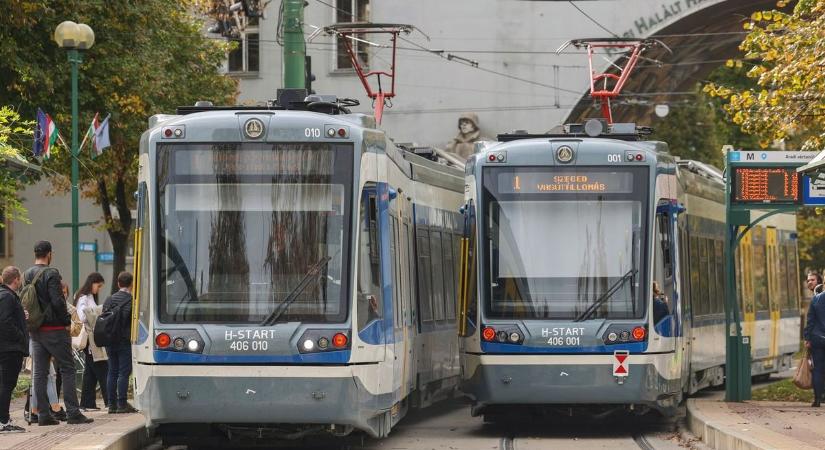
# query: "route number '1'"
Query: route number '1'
312,132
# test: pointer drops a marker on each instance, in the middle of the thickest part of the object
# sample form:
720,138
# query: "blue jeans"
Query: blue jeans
120,367
818,357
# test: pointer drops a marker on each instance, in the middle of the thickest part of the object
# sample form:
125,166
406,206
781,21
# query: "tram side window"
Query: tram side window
369,280
760,275
693,270
438,275
719,272
793,277
684,267
424,274
410,268
449,275
396,289
701,269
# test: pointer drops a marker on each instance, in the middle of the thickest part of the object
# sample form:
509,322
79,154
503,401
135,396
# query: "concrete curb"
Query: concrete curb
123,435
722,429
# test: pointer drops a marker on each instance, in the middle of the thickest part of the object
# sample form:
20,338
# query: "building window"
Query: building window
351,11
246,56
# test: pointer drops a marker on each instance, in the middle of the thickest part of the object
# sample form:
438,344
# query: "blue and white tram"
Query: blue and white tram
297,274
565,238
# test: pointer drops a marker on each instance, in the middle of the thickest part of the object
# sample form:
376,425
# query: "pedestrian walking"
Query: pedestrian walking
120,349
815,341
14,343
97,365
51,339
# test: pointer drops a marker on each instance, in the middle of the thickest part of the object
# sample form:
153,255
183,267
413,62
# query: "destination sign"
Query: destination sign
773,185
262,159
572,182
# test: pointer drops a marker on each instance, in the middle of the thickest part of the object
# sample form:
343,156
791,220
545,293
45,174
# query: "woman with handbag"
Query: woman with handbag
815,342
97,366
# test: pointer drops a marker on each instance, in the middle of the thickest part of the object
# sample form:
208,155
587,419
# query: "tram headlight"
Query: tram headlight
639,333
179,341
515,337
323,340
612,336
308,345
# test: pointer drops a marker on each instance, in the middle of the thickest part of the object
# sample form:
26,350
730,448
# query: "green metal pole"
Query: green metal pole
294,54
737,354
75,60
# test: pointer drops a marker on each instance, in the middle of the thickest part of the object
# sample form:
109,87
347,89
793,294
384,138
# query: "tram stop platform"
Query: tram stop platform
108,431
756,425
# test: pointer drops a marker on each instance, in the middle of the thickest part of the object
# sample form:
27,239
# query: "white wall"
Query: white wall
432,92
44,212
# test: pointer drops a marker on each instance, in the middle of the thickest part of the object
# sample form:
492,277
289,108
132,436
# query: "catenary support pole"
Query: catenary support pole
294,53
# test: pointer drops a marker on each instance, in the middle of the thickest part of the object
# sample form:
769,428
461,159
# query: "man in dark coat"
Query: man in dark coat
815,340
52,339
120,352
14,343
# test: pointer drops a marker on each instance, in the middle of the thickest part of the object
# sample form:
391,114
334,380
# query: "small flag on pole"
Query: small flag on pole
102,136
45,135
51,136
90,133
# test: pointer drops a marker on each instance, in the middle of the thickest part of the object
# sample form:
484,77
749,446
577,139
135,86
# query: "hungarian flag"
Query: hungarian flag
90,134
102,136
50,139
45,135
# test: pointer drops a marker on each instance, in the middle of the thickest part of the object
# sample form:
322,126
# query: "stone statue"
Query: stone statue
468,134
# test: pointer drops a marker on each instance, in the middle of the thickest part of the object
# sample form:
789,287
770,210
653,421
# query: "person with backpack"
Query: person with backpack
14,344
97,366
113,329
47,323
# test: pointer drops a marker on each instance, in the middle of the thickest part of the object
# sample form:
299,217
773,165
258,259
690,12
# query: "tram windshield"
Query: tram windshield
242,227
561,239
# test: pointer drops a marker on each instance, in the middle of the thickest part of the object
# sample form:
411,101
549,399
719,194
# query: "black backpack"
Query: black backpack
107,328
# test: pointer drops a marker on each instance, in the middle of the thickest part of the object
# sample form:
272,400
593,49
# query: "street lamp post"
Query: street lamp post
74,37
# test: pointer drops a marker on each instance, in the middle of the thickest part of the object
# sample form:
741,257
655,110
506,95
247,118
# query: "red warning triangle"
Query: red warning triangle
620,358
620,369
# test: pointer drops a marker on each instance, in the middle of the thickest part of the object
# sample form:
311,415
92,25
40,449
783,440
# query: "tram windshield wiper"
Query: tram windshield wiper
607,295
313,271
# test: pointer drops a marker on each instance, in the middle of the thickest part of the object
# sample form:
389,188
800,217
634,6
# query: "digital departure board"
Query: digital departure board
771,185
578,182
303,159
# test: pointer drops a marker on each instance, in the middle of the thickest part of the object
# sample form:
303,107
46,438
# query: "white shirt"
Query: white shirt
85,301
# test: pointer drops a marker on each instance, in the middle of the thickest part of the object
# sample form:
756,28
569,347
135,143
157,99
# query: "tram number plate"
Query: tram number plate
249,340
563,336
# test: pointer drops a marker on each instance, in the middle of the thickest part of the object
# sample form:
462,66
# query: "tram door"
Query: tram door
774,297
748,298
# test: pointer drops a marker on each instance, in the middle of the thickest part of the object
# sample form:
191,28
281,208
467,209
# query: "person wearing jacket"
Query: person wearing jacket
51,339
120,352
815,341
97,366
14,343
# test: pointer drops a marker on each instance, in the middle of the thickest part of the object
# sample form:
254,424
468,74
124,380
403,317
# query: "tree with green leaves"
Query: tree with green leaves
13,138
787,101
149,57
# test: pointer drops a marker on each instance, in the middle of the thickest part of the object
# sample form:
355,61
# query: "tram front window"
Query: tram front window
561,240
244,227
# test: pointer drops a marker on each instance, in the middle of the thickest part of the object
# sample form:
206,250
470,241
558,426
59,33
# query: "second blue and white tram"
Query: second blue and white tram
593,277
